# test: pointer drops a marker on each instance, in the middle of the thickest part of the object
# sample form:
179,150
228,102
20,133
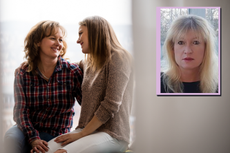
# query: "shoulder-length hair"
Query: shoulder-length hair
209,66
36,34
102,40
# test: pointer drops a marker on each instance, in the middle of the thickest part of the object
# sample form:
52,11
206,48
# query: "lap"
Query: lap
16,141
96,142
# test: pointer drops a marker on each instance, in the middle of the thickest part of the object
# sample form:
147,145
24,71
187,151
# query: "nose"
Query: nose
188,49
58,43
79,41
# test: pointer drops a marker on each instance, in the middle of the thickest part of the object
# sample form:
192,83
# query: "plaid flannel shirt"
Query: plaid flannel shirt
42,106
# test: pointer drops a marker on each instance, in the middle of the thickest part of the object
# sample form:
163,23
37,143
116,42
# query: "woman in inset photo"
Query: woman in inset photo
190,61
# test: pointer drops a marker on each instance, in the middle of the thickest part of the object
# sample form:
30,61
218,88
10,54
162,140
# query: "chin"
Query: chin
84,52
56,55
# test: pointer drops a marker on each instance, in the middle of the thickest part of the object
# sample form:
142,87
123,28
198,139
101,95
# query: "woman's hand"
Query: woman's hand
23,65
68,138
60,151
38,146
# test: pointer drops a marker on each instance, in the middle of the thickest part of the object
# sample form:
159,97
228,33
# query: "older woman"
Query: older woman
190,57
44,90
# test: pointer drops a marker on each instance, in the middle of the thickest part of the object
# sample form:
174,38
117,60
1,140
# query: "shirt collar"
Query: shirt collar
59,64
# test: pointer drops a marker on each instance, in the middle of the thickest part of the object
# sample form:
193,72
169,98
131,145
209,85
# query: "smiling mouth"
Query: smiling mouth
55,49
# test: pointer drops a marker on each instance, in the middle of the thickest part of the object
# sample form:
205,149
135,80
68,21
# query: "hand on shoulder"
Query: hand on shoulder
22,66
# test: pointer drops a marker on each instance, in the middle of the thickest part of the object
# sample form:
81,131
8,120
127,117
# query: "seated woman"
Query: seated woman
44,89
107,90
190,61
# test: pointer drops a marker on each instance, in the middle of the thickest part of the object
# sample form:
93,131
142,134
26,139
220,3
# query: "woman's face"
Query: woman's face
189,51
51,46
83,39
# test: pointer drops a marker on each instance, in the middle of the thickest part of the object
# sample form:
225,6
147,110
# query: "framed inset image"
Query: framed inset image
188,51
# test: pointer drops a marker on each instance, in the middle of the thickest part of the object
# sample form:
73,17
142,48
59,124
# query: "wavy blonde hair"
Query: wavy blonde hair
209,66
102,40
36,34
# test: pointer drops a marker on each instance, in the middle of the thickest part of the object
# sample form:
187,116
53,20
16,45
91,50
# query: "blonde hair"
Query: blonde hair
36,34
102,40
209,66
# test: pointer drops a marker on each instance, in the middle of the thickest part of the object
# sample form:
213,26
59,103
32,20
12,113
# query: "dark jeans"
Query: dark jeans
16,142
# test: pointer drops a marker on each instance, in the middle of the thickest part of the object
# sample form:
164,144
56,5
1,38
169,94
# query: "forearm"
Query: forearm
27,128
21,113
93,125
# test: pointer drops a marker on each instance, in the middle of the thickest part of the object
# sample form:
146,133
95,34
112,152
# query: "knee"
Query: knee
9,137
14,135
14,140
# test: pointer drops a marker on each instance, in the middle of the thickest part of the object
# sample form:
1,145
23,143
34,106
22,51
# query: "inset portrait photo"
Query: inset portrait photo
188,51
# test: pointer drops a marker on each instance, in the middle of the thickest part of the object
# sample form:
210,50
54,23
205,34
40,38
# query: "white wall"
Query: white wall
1,132
192,124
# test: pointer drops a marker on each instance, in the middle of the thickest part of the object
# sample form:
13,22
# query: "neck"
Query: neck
190,75
47,66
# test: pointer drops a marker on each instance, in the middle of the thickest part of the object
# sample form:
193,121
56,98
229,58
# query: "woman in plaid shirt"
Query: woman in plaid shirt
44,91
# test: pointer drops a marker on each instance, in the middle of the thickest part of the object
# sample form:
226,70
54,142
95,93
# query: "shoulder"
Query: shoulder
163,76
82,64
120,61
23,76
74,67
120,55
121,58
162,83
21,70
